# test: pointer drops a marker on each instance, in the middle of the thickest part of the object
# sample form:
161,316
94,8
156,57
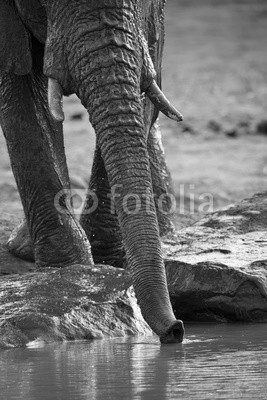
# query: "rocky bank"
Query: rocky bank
216,271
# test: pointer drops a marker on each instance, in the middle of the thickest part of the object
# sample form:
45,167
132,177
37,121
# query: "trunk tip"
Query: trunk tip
174,334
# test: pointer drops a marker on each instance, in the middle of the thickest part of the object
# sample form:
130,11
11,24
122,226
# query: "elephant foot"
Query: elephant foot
64,245
20,244
109,254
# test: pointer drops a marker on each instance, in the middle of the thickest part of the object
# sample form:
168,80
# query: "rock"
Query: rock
77,116
77,302
244,127
186,128
214,126
261,127
232,133
216,271
241,128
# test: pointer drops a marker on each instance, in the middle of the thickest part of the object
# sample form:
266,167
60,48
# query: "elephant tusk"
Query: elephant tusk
55,96
162,103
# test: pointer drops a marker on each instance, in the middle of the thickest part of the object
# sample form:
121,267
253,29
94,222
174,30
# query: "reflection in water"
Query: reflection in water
214,362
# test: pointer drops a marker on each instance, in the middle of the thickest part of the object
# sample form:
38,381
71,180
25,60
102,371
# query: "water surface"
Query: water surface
214,362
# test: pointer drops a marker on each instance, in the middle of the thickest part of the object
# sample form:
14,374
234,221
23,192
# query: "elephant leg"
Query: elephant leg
99,219
20,243
38,169
161,181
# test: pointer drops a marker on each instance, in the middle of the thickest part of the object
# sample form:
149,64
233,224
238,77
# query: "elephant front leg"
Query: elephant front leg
58,238
99,219
20,243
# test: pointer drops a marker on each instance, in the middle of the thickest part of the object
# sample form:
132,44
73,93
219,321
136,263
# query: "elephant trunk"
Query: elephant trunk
116,115
107,73
120,135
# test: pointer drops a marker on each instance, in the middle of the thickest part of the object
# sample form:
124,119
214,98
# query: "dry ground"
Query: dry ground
215,71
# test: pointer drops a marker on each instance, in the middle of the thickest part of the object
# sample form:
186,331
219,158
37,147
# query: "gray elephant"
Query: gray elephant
109,53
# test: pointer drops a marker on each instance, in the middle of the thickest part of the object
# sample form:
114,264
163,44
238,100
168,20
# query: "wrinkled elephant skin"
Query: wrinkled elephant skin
109,53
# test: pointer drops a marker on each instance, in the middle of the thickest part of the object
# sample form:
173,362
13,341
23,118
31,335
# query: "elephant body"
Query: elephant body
108,52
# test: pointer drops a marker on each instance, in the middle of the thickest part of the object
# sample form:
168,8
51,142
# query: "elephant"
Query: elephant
107,52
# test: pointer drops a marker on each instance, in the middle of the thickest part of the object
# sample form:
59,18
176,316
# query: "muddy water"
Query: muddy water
214,362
